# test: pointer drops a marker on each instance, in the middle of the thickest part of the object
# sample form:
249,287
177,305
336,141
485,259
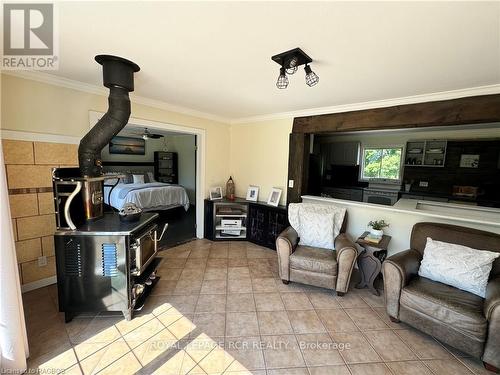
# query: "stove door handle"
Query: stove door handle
162,232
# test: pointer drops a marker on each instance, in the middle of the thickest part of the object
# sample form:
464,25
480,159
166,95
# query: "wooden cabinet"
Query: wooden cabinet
263,222
426,153
166,169
341,153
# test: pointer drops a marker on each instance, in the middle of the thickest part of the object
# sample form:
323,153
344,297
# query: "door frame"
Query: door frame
200,134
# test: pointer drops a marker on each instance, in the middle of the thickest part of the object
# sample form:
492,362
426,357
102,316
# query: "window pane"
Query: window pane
391,163
373,160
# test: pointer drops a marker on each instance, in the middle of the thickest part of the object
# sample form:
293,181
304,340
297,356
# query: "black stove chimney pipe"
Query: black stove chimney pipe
118,76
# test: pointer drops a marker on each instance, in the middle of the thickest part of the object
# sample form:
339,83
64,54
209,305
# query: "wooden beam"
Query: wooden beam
470,110
298,166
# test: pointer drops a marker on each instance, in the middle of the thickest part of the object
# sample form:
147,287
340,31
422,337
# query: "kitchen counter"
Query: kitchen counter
451,211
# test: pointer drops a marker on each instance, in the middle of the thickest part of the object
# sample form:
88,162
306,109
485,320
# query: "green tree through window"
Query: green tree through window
382,163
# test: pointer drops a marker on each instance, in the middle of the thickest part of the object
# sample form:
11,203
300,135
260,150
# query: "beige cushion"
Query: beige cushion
314,259
448,305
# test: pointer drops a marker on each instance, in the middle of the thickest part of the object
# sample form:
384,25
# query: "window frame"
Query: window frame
382,180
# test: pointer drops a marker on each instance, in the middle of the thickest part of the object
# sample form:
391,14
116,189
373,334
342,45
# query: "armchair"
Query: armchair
458,318
316,266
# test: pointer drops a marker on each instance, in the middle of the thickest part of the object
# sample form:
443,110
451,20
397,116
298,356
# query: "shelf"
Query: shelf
227,237
229,215
220,227
424,165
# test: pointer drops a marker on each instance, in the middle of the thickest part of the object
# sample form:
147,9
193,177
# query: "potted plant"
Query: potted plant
377,227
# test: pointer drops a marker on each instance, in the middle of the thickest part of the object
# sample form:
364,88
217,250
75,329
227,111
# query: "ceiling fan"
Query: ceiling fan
146,134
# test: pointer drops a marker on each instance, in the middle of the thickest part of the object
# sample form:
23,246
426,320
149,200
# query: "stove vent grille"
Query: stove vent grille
73,258
109,260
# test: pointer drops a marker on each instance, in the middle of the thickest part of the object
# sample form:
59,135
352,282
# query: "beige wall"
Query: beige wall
259,156
36,107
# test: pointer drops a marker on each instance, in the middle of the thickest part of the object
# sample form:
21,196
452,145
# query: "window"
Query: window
382,163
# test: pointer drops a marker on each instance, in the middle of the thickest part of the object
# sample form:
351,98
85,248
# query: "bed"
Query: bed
151,196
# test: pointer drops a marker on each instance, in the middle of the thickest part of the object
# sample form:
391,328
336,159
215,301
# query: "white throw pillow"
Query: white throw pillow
138,178
316,224
456,265
151,177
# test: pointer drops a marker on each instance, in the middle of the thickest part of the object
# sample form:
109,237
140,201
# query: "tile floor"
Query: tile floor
220,308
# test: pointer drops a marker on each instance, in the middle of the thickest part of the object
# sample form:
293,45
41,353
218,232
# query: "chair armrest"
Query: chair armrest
347,254
285,246
398,270
492,314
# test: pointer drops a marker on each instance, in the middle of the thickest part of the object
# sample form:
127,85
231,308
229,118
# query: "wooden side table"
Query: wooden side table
370,261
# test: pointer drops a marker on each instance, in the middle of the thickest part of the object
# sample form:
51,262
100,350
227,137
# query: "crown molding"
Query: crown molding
422,98
99,90
17,135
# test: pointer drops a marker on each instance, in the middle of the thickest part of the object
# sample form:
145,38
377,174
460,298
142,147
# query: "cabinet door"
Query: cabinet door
256,224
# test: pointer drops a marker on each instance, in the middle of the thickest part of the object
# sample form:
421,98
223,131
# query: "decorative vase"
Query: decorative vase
377,232
230,189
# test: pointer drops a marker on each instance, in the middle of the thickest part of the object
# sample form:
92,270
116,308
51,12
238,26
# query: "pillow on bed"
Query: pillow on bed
127,179
138,178
151,177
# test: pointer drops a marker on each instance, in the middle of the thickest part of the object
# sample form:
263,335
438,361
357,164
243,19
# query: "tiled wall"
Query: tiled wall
29,177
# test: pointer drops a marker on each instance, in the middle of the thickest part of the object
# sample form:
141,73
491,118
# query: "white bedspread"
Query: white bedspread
148,196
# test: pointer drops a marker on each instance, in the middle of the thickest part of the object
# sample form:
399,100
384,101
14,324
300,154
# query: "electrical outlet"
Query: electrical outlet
423,184
42,261
290,184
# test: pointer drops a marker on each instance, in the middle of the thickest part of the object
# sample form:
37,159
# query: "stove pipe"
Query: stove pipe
118,76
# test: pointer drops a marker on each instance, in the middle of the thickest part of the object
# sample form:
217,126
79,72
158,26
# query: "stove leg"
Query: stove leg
127,314
68,316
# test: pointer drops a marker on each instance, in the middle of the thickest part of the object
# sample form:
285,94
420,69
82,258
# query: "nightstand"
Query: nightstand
370,260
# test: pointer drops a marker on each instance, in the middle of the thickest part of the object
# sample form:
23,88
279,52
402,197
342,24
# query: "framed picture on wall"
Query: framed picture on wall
252,193
215,193
274,197
469,161
127,145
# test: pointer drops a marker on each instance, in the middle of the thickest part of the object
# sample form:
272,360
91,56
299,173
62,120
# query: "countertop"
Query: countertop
450,211
110,224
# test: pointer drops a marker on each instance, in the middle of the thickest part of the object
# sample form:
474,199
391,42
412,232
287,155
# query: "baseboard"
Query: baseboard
38,284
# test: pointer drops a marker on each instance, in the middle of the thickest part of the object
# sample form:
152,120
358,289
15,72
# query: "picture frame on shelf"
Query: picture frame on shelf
274,197
469,161
252,193
215,193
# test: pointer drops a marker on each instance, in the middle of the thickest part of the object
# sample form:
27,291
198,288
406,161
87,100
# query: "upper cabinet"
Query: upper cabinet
341,153
426,153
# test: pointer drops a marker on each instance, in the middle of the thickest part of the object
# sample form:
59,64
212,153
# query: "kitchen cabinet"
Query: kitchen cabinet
341,153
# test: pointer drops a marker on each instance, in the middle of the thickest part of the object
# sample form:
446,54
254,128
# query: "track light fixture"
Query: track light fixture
289,62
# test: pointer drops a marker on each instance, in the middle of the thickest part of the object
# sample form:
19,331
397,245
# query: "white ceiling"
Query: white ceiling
215,57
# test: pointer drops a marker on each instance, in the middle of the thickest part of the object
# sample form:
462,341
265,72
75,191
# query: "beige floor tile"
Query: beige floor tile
370,368
218,252
336,320
389,346
268,302
409,368
243,285
350,300
385,318
94,343
196,262
161,345
179,363
169,273
199,254
181,328
237,262
104,357
366,319
289,371
424,346
319,350
184,304
199,347
323,300
127,364
274,323
215,273
216,362
144,332
241,324
195,274
305,321
247,353
187,287
214,287
238,272
329,370
476,366
164,287
217,262
296,301
54,361
211,303
240,302
264,285
171,263
371,299
282,352
447,367
212,324
357,349
125,326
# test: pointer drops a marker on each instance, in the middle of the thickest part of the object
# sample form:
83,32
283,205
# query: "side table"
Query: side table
370,260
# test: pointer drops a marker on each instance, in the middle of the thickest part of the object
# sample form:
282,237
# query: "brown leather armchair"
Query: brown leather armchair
458,318
325,268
